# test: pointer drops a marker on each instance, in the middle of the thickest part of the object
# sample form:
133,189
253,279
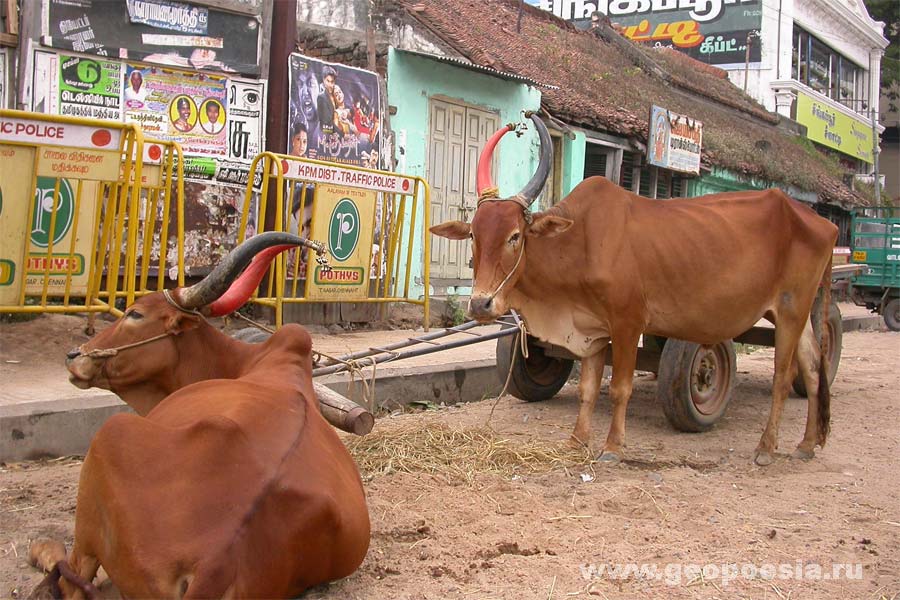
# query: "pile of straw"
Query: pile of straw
459,454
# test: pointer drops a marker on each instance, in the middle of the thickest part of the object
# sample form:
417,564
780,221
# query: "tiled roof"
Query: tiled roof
600,88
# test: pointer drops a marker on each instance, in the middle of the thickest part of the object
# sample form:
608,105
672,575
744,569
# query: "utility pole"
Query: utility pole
750,36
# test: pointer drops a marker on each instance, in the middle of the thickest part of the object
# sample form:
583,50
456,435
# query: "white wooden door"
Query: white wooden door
457,133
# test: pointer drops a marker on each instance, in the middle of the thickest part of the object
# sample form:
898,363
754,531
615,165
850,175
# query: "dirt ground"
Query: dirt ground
677,504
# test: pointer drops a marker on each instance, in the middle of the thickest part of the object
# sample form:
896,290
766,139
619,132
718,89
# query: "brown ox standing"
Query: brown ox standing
229,483
606,265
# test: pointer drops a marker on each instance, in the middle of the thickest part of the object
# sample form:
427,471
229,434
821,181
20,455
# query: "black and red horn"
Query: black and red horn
534,186
484,186
234,279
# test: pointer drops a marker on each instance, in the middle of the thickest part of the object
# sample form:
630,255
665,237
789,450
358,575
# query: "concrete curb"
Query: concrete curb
49,429
65,427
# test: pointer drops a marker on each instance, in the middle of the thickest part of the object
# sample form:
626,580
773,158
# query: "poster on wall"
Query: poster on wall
245,132
157,31
90,88
335,113
714,32
675,141
218,120
190,108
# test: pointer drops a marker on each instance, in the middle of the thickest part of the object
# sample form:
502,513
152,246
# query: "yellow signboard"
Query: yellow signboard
16,164
78,163
60,205
828,126
344,217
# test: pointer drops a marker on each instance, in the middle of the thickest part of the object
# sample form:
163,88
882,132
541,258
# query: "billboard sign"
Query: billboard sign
711,31
675,141
155,31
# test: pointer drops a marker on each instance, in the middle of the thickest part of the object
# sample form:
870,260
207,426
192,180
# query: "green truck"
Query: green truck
876,243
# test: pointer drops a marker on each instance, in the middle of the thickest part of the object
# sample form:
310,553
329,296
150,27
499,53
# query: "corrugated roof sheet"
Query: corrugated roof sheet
458,62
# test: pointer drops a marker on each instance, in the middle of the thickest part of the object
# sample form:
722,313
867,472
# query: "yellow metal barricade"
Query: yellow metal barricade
150,221
373,223
65,186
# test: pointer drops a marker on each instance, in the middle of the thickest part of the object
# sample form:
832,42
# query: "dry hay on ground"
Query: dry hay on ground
458,453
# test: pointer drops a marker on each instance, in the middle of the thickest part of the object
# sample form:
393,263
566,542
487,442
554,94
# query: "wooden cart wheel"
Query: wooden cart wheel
835,333
536,378
695,383
892,314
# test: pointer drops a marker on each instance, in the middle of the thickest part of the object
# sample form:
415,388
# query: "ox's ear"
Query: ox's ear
549,225
453,230
181,321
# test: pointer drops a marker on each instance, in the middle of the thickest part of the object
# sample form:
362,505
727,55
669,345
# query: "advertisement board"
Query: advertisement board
155,31
344,218
830,127
217,119
675,141
712,31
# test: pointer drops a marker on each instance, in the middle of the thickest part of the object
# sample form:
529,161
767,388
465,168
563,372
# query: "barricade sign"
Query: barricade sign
63,190
370,222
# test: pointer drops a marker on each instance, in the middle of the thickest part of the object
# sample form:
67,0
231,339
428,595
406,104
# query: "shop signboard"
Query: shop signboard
830,127
675,141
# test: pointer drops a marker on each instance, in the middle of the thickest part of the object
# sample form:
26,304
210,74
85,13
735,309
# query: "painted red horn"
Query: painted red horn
483,178
218,282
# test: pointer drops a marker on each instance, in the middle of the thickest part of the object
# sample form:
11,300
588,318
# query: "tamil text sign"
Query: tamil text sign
675,141
711,31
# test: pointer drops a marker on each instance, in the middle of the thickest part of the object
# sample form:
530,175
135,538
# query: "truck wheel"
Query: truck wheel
695,383
536,378
892,314
835,333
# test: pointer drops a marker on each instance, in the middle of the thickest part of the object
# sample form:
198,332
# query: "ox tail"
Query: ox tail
824,400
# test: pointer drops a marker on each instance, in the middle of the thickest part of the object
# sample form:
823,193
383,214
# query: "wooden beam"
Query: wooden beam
12,17
8,39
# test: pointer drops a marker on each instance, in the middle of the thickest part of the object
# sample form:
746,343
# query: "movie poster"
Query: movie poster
335,113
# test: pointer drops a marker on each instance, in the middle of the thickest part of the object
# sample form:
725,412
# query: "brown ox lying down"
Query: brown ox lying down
606,265
229,483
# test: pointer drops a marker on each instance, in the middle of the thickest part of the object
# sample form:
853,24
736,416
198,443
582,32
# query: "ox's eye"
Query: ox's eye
513,239
133,314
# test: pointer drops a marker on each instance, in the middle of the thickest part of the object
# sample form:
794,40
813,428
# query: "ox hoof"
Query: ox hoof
576,443
609,457
801,454
763,458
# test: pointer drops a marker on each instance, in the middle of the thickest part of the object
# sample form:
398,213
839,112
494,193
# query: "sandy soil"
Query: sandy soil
678,501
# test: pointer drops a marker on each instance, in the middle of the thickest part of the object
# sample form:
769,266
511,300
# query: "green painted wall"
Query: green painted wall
573,162
722,180
413,79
